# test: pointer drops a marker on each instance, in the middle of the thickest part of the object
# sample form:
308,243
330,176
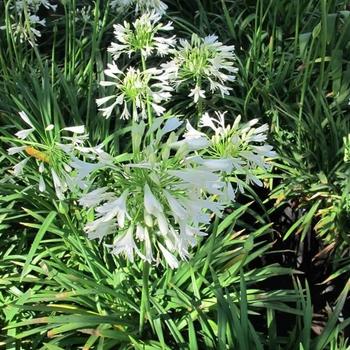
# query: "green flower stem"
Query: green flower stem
149,111
211,248
200,103
145,306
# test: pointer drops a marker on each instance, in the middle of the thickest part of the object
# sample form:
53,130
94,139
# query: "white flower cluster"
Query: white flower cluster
181,183
239,150
202,66
142,37
139,5
26,19
176,203
202,62
136,90
57,157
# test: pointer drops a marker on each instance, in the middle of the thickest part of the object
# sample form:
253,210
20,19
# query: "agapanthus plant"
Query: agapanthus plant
56,155
26,22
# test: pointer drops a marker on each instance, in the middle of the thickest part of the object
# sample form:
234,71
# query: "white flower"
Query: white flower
95,197
217,125
23,134
191,133
49,127
126,245
18,168
191,144
99,228
169,200
33,5
42,185
152,205
26,119
135,90
162,223
115,209
193,139
41,168
60,158
169,258
187,239
178,211
222,164
199,178
240,148
229,194
34,19
59,184
27,30
76,129
140,232
148,246
197,92
14,150
202,62
83,170
141,36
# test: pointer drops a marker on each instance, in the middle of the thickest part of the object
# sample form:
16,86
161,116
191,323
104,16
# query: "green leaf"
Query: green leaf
37,240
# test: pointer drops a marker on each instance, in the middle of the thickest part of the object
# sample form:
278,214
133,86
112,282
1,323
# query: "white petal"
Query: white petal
18,168
162,223
42,185
140,232
26,119
41,167
148,247
22,134
49,127
169,258
103,100
94,198
151,203
192,133
170,125
76,129
14,150
99,229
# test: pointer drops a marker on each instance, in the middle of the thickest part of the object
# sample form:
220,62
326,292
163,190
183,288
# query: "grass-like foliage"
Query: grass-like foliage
174,174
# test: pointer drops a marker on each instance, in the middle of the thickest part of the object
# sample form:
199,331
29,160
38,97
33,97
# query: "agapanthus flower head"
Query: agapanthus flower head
28,10
135,91
202,64
142,36
55,155
239,150
84,14
157,204
140,6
